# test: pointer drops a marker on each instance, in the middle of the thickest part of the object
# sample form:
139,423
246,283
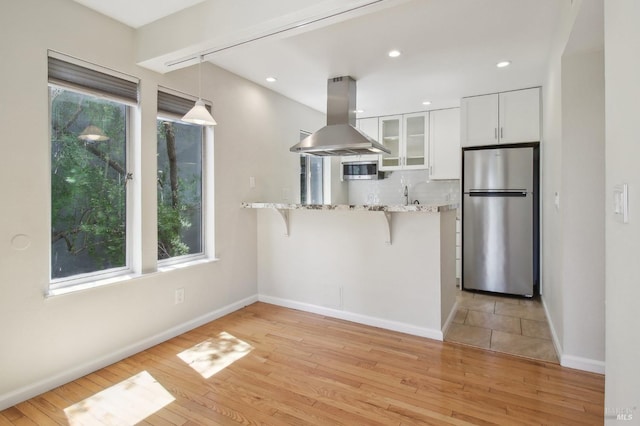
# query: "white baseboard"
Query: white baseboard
584,364
12,398
554,335
353,317
571,361
450,318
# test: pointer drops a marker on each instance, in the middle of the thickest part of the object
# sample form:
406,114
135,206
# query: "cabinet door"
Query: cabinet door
520,116
479,121
415,141
390,135
444,144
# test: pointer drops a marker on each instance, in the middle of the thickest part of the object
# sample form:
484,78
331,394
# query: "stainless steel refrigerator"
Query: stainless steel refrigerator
500,231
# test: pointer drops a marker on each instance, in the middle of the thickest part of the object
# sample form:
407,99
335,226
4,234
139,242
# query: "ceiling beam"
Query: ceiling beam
178,40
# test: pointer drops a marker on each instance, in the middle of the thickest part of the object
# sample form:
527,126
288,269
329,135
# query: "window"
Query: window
311,177
180,181
89,118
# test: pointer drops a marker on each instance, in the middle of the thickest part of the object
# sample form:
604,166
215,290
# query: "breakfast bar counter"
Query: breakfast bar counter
386,209
394,208
333,260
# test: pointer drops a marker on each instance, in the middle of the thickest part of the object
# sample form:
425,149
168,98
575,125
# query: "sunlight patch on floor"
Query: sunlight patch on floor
212,355
126,403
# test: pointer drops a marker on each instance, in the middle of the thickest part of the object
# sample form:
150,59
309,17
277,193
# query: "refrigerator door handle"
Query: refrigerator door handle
497,193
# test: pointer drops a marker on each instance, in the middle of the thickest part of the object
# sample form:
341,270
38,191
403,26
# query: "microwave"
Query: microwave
361,170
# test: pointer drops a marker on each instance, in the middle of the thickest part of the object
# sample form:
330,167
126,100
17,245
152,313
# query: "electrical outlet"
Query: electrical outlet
179,296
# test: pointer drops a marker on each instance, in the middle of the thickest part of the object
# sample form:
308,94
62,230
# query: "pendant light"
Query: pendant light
93,134
199,113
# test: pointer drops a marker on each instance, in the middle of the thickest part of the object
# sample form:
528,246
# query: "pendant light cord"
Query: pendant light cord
200,78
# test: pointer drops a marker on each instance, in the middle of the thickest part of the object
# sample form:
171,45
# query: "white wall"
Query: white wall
622,81
573,167
448,289
46,342
583,206
551,177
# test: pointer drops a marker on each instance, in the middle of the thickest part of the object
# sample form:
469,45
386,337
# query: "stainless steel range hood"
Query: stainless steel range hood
339,137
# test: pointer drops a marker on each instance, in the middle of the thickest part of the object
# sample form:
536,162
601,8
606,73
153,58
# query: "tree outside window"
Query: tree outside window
88,183
180,229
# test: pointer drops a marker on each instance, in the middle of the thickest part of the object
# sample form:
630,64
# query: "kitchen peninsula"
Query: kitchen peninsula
333,260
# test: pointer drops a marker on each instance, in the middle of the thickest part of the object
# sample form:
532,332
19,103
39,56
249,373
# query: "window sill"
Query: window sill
88,285
186,264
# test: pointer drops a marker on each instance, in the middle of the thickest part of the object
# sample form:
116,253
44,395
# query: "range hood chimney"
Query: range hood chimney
339,137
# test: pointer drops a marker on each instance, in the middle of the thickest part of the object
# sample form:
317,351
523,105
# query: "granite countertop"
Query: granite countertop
392,208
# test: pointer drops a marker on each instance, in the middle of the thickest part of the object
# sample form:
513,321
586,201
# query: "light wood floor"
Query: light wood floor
280,366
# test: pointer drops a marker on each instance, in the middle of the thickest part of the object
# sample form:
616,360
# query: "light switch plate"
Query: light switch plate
621,203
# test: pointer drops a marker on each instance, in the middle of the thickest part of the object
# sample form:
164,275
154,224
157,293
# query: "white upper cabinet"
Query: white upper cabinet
406,136
416,137
520,116
507,117
390,134
444,144
479,124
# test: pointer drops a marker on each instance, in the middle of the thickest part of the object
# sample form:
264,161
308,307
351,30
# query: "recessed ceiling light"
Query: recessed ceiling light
426,103
271,79
394,53
503,64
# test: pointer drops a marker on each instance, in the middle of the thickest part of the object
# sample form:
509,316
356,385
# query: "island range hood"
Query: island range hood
339,137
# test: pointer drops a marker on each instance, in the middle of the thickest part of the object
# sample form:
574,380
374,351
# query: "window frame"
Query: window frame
59,283
176,111
96,278
305,164
203,254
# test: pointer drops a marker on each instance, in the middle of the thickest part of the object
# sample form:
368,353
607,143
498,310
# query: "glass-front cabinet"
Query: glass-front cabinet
415,156
406,137
391,137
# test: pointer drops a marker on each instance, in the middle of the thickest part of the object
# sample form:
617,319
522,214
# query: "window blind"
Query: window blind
175,105
70,74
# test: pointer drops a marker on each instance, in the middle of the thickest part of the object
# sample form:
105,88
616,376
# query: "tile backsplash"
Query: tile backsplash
391,189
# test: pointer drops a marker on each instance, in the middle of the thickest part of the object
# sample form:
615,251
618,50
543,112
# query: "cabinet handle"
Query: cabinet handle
501,132
495,133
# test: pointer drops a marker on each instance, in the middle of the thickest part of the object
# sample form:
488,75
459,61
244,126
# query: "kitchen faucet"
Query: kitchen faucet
406,195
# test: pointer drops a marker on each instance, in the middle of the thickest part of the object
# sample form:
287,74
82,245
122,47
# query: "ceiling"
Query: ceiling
449,50
138,12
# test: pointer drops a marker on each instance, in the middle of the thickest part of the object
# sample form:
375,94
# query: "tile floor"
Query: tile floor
503,324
